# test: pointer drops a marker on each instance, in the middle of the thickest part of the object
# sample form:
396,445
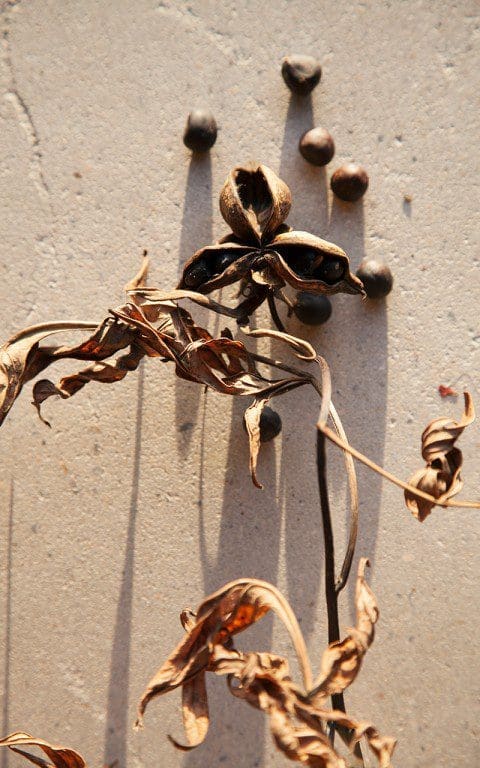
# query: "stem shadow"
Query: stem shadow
237,730
8,628
117,726
196,232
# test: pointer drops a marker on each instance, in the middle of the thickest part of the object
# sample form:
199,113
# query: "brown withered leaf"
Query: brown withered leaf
60,757
441,477
19,354
225,613
342,660
298,721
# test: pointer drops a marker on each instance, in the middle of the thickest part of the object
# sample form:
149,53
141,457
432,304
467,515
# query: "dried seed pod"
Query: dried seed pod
200,131
317,146
254,202
349,182
376,277
312,309
301,73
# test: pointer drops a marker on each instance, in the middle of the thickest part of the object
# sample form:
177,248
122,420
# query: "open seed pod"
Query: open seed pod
262,249
254,202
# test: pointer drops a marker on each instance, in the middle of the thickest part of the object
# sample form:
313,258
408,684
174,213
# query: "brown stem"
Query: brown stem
274,313
331,594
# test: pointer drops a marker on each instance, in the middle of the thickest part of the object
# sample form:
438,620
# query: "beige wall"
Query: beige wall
137,502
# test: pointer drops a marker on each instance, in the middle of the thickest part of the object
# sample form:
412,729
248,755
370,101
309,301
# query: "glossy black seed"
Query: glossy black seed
223,261
312,309
330,271
317,146
270,424
200,131
197,274
301,73
349,182
300,260
376,277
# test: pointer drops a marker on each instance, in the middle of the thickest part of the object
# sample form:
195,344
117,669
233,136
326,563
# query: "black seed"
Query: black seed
270,424
317,146
376,277
300,260
197,274
223,261
330,271
312,309
301,73
200,131
349,182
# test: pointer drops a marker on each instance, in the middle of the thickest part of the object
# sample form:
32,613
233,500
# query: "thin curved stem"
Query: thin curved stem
388,475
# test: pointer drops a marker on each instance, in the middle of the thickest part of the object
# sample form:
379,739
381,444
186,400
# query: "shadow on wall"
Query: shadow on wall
354,342
8,628
248,545
118,727
196,232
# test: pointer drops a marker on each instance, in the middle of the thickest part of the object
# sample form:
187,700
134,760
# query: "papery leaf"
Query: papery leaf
252,417
254,202
61,757
342,660
441,477
140,279
230,610
194,712
19,353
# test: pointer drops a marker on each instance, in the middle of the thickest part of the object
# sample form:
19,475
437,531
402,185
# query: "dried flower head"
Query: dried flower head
262,251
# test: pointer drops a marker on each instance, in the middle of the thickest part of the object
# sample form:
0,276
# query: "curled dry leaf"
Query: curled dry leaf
441,477
262,251
60,757
342,660
297,716
230,610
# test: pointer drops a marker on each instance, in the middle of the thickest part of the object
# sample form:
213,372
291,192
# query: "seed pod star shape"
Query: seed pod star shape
263,251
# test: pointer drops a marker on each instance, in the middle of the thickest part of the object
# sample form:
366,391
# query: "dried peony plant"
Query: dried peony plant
299,718
60,757
262,251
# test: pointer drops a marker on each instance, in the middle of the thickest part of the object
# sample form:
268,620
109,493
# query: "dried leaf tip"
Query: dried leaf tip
60,757
441,477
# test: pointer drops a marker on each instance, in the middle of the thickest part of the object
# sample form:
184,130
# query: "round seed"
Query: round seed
317,146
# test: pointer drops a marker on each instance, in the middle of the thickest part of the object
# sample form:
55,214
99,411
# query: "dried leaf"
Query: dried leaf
19,353
60,757
219,617
194,712
441,477
342,660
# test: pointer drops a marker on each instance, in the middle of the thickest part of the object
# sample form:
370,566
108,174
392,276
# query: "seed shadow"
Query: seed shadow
237,730
8,628
196,231
360,341
309,209
117,726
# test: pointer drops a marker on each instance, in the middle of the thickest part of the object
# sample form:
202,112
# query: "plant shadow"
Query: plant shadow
196,231
117,725
237,731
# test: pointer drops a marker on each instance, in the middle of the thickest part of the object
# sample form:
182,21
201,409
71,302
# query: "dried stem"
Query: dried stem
388,475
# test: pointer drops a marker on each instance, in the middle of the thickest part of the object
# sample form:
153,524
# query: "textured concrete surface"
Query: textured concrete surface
137,502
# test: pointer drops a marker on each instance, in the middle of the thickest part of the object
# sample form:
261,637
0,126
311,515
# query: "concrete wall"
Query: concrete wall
138,502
